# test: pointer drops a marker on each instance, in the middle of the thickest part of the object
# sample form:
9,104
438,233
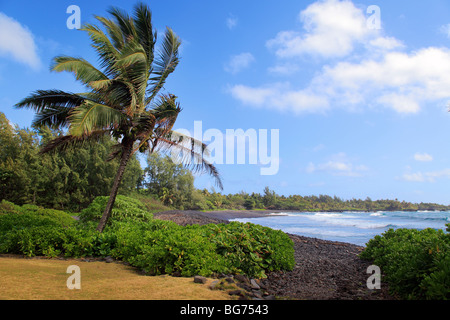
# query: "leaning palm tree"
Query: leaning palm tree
123,97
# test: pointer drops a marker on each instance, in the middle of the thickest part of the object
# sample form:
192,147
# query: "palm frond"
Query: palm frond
92,116
166,111
165,63
40,99
189,157
106,51
124,21
52,107
114,32
52,116
144,30
83,70
69,141
135,69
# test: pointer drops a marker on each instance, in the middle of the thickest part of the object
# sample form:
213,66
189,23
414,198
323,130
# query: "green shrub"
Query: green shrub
249,204
155,246
172,249
252,249
125,208
21,217
165,247
8,207
416,263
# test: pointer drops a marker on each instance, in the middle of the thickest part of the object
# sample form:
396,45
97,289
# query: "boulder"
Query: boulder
199,279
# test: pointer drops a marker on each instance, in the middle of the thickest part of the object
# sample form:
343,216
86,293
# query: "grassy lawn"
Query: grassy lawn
43,279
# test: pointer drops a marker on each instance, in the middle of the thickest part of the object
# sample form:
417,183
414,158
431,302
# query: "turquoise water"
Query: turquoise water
352,227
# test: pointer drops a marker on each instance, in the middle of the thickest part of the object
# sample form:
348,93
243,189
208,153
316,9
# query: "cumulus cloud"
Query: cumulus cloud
284,69
414,177
430,176
17,42
331,29
338,165
423,157
405,80
386,43
239,62
360,67
280,97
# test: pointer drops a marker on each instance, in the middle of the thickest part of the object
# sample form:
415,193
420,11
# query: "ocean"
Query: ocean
351,227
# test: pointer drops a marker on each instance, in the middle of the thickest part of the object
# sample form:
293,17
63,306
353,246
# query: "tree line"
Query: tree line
71,179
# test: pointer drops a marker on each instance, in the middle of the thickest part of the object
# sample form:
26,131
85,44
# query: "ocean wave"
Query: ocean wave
288,214
377,214
437,219
321,232
342,220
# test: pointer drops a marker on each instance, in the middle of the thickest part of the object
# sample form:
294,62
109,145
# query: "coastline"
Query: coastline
324,270
184,217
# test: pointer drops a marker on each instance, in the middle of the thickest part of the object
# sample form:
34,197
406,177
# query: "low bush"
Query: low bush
416,263
164,247
251,248
155,246
125,208
19,217
161,247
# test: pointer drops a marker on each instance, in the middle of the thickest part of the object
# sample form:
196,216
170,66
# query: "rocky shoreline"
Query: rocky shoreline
324,270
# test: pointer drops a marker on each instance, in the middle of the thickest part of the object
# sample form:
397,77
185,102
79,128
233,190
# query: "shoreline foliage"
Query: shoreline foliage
154,246
71,180
415,263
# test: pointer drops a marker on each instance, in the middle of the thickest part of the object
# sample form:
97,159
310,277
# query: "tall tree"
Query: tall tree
168,180
123,96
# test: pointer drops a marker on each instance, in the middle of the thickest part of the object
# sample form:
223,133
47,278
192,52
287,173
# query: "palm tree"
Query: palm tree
123,97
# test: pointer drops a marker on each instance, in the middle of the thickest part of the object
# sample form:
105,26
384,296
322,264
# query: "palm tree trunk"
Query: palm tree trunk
126,153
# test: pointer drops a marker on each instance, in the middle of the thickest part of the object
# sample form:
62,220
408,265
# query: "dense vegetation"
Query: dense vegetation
152,245
416,263
270,200
70,180
124,96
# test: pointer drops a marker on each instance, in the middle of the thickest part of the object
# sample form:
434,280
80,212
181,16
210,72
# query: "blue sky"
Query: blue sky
361,109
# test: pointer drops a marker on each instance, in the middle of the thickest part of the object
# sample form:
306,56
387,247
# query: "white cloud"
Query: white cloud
405,81
400,103
338,165
363,67
231,22
252,96
17,41
284,69
414,177
331,29
239,62
424,157
431,176
280,97
386,43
